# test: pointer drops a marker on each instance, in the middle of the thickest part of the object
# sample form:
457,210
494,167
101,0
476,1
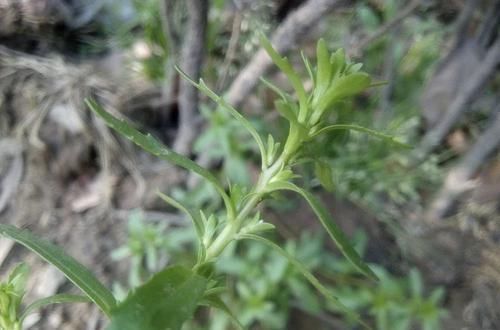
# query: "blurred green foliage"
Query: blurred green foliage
263,288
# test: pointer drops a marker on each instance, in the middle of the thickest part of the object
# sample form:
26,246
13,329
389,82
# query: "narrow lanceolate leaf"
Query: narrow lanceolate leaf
307,274
333,230
56,299
229,108
284,65
72,269
166,301
357,128
195,218
324,68
308,66
155,147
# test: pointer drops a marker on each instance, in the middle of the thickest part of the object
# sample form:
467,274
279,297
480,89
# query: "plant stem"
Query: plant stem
228,234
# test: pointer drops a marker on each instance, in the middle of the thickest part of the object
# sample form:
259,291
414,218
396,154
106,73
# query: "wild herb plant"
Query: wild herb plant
150,245
172,295
12,291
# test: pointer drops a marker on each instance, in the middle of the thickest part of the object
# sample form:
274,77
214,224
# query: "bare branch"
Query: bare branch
191,62
475,82
459,178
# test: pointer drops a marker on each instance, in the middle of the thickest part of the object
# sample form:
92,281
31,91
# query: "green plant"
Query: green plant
263,288
12,292
172,295
395,303
149,247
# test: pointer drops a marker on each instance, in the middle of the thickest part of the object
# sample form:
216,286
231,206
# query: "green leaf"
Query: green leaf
166,301
333,230
72,269
216,302
324,70
287,111
323,172
385,137
307,274
18,277
195,218
155,147
344,87
55,299
338,62
275,89
285,66
235,113
355,67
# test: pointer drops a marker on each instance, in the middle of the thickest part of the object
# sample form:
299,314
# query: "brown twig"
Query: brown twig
190,62
479,78
459,178
231,49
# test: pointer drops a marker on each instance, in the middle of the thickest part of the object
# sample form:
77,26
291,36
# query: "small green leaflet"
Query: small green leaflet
232,111
284,65
165,302
357,128
199,226
324,68
72,269
55,299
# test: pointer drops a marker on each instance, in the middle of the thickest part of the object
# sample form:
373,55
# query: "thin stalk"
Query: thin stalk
228,234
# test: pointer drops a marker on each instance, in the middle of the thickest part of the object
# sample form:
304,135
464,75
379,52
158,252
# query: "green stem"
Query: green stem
228,234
